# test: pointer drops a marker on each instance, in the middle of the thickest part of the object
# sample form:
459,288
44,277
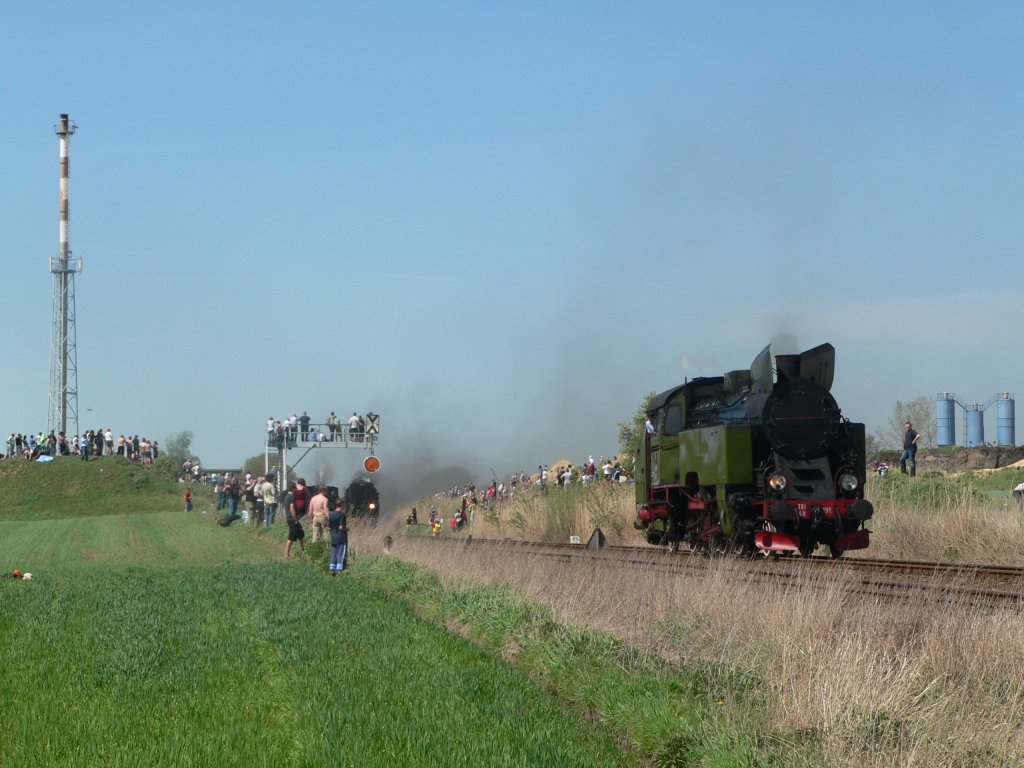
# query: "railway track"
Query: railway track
886,580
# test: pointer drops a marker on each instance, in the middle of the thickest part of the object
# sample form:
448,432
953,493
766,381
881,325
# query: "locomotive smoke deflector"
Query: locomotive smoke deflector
761,372
819,364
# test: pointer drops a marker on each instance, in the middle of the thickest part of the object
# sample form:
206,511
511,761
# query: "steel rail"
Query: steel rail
888,580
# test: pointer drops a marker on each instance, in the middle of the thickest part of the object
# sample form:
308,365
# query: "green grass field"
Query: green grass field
153,637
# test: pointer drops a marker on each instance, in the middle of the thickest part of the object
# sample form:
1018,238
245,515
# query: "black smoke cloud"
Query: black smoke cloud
412,465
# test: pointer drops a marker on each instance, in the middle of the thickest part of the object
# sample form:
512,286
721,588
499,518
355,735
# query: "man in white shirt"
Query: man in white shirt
269,494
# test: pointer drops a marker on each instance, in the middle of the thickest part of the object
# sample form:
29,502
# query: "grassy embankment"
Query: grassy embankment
931,683
154,637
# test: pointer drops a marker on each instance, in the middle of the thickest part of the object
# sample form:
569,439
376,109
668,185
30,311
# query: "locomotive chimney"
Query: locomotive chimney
787,367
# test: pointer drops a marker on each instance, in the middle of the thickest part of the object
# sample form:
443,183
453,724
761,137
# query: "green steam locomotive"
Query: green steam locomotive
757,460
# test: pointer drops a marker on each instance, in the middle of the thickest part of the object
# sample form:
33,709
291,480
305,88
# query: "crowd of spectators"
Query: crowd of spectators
333,429
606,470
91,444
192,472
298,506
562,475
256,496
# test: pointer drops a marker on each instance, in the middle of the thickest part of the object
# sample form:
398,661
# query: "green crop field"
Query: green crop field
153,637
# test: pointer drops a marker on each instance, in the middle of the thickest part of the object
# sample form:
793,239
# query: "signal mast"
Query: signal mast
315,436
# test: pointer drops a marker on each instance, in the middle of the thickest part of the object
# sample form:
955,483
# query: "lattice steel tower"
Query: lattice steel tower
63,353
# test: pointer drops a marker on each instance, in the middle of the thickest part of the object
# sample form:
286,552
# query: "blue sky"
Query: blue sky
500,225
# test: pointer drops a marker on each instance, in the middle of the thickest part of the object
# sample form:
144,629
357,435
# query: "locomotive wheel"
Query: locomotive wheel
742,546
721,546
807,549
835,553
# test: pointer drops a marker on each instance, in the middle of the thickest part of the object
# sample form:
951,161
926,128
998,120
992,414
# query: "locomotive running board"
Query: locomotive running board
769,541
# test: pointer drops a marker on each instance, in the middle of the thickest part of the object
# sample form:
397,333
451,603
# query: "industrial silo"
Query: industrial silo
1004,419
945,419
975,426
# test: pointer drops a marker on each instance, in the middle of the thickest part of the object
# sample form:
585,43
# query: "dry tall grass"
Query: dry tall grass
954,524
951,524
934,683
552,515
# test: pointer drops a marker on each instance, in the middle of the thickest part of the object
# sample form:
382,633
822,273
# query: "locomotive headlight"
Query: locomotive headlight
777,482
372,505
848,482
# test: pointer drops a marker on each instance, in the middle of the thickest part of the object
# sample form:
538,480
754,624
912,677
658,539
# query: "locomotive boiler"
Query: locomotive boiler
757,460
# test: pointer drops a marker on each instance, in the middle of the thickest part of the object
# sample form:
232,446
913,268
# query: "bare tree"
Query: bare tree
920,412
